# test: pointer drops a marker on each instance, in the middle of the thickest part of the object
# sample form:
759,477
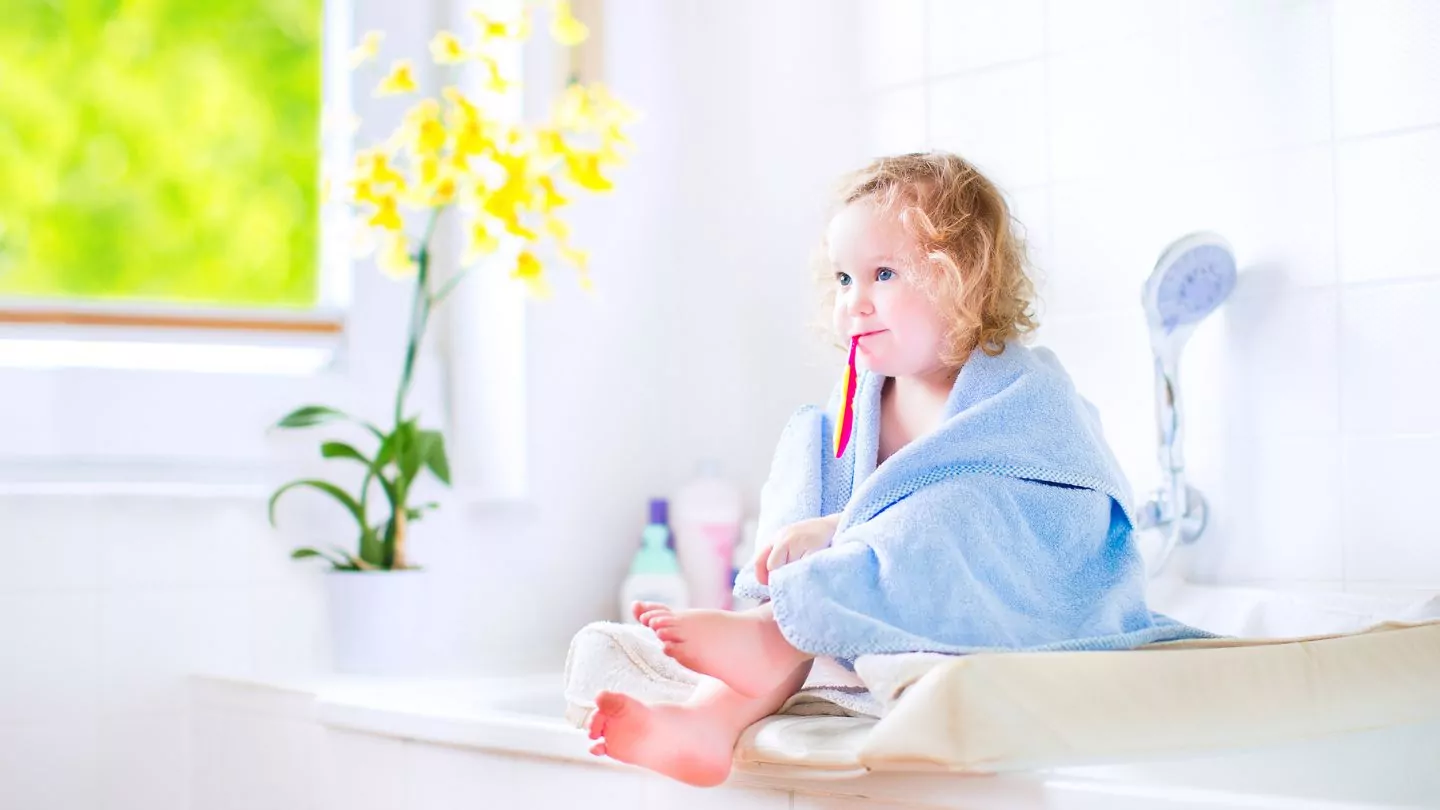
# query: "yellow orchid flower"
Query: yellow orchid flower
552,198
529,270
481,242
579,258
430,138
550,144
585,171
444,191
394,256
367,49
512,224
387,214
573,109
372,173
401,79
565,29
429,169
363,190
461,108
454,151
557,228
496,82
492,28
445,48
470,138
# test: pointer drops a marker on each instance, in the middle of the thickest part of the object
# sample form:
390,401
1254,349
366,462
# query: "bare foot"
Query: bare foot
744,649
680,741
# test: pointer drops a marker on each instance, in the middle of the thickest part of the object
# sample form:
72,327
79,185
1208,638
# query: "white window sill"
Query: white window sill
139,355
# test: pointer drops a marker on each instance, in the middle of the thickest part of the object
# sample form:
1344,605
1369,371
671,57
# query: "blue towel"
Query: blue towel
1006,528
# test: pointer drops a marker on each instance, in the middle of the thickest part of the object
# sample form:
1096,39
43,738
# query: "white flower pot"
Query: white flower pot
377,621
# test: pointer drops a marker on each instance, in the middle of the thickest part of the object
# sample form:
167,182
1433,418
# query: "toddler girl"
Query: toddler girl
976,507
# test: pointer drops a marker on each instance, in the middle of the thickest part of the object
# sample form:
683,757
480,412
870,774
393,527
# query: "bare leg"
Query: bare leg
693,741
745,649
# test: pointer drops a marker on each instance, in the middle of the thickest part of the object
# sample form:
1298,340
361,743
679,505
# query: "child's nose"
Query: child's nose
859,303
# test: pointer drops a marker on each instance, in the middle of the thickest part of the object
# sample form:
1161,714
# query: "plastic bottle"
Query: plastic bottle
744,551
655,572
706,520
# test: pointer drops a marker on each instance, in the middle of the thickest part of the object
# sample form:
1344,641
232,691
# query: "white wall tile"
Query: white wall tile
1389,203
143,650
219,631
1276,210
1109,360
894,122
290,628
1391,534
50,645
1241,84
995,119
49,766
1030,210
1265,365
1274,509
964,35
145,761
1078,24
891,42
1389,351
164,555
1387,69
41,554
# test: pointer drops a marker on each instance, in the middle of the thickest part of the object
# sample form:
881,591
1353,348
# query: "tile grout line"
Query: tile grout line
1340,450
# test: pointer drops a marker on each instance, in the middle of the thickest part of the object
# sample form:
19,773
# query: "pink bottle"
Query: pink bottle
705,517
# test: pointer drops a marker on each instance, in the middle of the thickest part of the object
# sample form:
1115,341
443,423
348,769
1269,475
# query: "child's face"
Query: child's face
877,267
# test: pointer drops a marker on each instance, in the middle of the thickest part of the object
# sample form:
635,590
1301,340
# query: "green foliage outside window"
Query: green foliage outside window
160,150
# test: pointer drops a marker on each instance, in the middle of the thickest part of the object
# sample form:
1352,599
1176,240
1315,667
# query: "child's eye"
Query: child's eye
884,274
843,278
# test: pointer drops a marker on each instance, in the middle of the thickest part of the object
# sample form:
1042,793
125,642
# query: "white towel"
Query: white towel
628,658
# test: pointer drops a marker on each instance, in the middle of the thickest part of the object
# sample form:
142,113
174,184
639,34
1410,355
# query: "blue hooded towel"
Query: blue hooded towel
1006,528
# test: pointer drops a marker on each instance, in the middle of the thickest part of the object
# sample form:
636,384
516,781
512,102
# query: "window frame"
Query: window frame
122,428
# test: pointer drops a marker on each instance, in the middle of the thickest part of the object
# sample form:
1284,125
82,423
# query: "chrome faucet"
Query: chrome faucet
1193,276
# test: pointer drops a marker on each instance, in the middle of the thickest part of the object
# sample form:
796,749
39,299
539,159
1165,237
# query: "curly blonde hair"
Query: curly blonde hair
963,228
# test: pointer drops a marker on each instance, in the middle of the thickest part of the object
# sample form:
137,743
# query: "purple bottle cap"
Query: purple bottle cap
659,512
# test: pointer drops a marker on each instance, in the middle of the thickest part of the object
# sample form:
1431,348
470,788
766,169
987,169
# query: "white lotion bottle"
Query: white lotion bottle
706,517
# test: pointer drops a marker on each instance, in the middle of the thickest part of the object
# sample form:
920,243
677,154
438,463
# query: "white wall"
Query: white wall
1305,131
1308,134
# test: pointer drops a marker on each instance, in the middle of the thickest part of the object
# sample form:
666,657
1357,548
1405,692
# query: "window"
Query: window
164,151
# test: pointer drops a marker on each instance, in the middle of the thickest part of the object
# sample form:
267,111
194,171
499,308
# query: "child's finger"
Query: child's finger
779,556
762,570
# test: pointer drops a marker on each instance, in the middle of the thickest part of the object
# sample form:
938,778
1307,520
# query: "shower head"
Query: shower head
1193,276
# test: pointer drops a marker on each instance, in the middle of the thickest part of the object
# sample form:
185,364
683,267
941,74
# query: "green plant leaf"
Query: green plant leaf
303,553
372,550
352,563
311,415
343,450
351,505
409,454
433,453
417,512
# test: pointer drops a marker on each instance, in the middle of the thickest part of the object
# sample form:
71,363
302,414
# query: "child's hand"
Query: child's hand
793,542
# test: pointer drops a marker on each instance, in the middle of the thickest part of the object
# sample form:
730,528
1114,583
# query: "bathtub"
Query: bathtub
328,743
